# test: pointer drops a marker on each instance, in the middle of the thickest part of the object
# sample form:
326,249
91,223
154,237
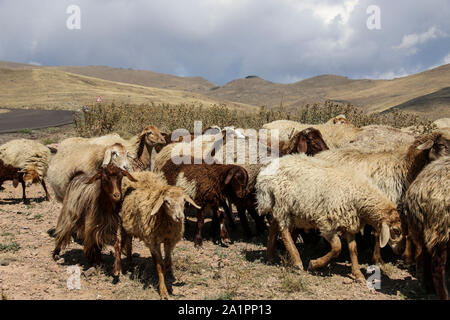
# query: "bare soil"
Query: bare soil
240,271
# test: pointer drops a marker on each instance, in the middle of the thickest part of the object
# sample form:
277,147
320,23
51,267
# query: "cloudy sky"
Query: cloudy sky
221,40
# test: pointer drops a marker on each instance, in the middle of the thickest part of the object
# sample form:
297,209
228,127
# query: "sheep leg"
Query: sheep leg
408,254
126,245
117,263
351,242
244,221
47,195
294,234
376,258
335,251
24,196
273,234
168,247
224,237
158,261
260,226
198,241
291,248
438,272
93,253
228,211
420,263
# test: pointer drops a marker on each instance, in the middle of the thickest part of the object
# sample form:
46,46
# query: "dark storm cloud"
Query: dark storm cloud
279,40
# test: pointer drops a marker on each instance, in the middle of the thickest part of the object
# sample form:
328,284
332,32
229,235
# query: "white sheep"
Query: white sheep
427,213
379,138
153,212
334,134
392,170
305,192
206,146
86,158
30,159
139,147
442,123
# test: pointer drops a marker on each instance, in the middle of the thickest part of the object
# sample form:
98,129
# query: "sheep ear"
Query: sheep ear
128,175
189,200
302,145
158,204
95,177
291,134
107,158
425,146
230,175
15,182
384,235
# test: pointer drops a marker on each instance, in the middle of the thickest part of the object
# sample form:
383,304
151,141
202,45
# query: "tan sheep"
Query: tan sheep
153,212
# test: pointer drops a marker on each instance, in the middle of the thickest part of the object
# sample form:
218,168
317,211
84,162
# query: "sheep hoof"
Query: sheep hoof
164,295
312,265
360,278
225,242
378,261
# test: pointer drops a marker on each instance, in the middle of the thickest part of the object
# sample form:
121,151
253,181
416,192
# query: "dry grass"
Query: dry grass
100,119
49,88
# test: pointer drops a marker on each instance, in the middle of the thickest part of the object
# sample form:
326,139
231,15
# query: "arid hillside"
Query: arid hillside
54,89
24,85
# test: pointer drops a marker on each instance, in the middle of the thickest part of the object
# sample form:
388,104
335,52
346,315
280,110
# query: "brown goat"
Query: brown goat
208,185
24,176
92,211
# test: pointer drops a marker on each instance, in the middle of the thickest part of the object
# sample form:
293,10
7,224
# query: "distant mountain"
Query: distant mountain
424,93
435,104
372,95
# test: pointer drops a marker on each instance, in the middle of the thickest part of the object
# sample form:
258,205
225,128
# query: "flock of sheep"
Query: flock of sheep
332,177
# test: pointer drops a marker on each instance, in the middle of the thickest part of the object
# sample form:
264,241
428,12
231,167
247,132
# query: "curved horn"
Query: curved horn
189,199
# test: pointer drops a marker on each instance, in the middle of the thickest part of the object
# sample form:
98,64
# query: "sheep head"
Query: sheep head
173,200
307,141
440,146
236,178
152,136
111,181
340,119
29,175
391,232
116,154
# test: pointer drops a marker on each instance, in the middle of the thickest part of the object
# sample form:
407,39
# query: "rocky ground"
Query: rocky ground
239,271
